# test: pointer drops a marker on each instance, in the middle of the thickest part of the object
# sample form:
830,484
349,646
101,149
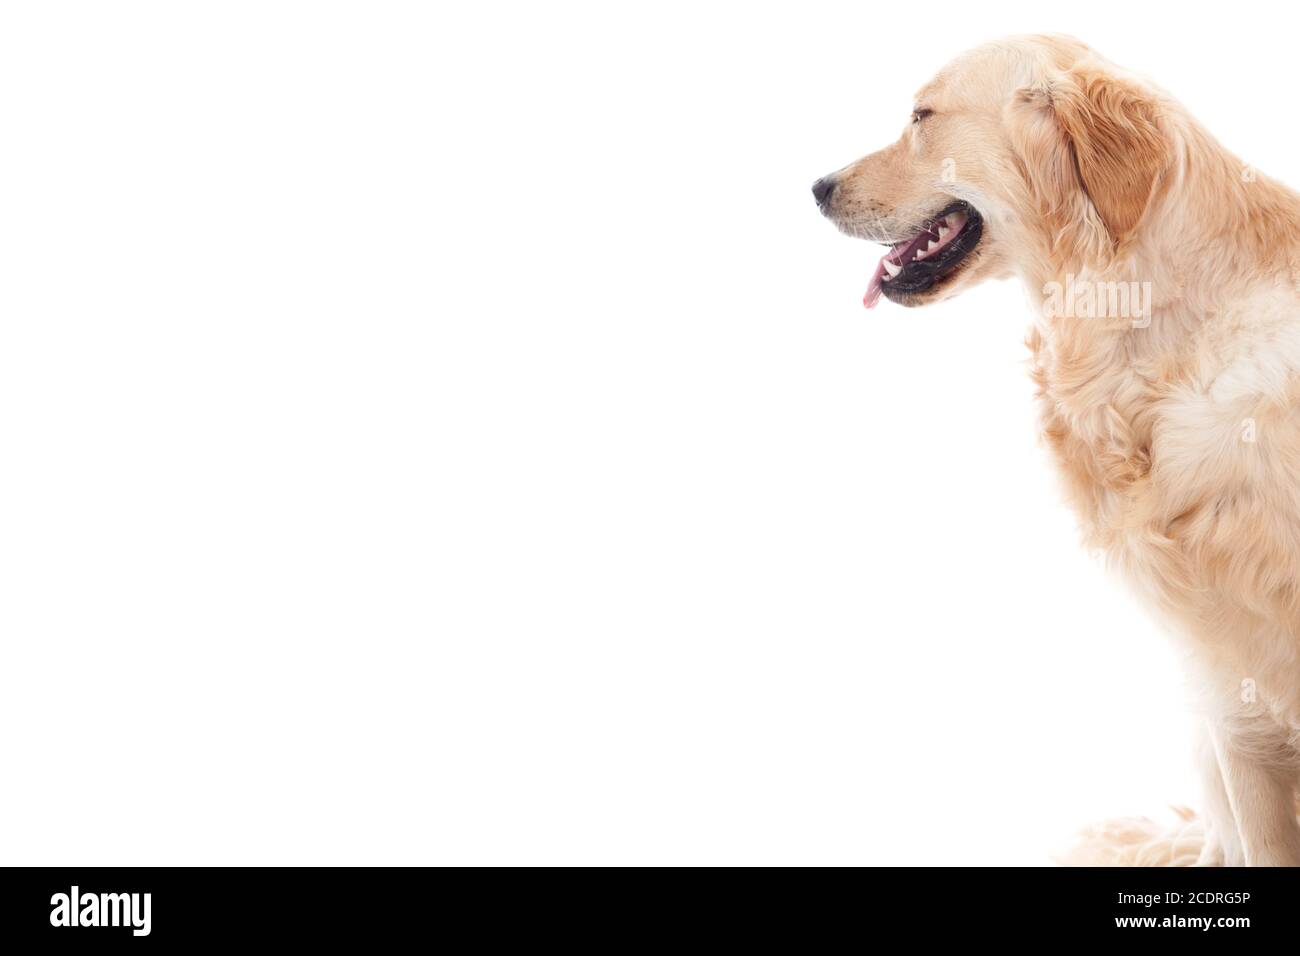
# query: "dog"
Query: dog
1166,353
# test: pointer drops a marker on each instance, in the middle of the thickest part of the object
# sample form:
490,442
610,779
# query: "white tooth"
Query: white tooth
931,244
944,232
892,269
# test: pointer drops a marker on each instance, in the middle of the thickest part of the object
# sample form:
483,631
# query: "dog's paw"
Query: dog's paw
1211,854
1215,853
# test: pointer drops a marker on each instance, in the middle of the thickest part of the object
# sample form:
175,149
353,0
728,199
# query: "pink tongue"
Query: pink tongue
894,255
873,287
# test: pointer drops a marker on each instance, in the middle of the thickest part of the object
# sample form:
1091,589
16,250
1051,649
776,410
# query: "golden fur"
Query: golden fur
1178,437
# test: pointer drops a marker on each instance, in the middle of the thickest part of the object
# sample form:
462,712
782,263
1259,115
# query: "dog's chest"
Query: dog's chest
1097,423
1179,470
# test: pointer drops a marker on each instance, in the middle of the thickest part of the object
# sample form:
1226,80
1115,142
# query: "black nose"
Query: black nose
822,190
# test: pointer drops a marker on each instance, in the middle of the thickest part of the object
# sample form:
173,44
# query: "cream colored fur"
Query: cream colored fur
1179,439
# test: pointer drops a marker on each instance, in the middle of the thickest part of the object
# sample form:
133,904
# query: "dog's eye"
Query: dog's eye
918,115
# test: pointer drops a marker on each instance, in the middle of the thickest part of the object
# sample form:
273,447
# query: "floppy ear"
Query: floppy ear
1089,139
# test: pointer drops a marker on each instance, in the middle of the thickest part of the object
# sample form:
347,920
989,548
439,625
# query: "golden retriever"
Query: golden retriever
1166,351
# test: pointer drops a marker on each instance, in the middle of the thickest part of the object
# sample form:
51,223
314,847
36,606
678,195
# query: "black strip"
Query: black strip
369,907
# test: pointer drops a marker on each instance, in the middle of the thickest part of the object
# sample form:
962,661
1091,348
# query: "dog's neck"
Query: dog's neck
1181,272
1219,248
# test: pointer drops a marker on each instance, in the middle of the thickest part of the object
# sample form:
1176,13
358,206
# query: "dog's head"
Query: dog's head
1017,155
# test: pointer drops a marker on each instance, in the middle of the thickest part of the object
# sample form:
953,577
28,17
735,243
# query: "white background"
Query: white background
455,437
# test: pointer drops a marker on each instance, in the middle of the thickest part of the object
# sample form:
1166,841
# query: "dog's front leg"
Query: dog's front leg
1222,842
1260,785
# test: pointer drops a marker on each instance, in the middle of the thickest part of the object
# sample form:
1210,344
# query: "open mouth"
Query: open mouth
919,264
